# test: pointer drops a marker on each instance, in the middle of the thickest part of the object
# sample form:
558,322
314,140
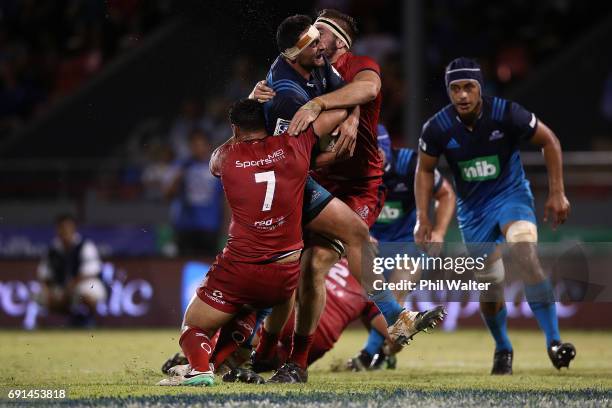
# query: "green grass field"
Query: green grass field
118,367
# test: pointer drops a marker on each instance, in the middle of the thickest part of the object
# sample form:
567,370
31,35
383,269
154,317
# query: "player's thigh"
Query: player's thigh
316,198
339,221
482,235
204,316
315,264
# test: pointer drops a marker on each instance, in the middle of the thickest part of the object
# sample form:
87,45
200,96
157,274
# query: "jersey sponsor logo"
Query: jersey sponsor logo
214,298
391,212
269,224
281,126
272,158
496,134
480,168
452,144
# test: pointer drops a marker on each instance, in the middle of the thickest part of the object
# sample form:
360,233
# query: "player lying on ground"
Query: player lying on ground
480,136
263,179
300,79
345,303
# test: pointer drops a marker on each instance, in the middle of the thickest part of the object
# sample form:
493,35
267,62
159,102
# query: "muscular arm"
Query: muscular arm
445,207
557,204
362,89
216,159
328,121
423,187
551,148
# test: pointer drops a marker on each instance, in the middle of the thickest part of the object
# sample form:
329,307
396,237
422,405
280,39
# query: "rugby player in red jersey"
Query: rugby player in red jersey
356,180
263,179
346,302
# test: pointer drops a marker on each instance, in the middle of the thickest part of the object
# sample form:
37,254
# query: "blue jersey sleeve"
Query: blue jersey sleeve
429,142
280,110
522,122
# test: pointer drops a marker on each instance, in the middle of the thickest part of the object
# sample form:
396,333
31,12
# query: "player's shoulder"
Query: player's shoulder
508,112
440,122
404,159
361,62
499,107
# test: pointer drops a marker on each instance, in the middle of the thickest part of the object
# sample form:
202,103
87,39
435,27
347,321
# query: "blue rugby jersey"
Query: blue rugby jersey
485,162
293,91
398,217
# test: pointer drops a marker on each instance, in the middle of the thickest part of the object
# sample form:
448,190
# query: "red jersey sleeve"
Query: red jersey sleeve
305,141
370,311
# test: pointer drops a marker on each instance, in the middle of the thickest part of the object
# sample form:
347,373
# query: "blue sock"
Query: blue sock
541,300
388,306
260,317
374,342
498,327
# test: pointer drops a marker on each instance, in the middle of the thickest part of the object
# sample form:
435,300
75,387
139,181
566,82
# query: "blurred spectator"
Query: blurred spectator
215,120
191,117
70,275
197,200
49,48
156,171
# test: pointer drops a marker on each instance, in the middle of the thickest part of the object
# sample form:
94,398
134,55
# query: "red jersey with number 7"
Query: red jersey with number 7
264,184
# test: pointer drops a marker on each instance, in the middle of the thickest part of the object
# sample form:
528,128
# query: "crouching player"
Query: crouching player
480,137
263,179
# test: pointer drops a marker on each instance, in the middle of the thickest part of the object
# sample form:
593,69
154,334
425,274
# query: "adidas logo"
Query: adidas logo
496,134
452,144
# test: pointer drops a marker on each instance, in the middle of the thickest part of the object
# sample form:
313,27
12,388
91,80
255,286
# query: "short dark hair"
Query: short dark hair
346,22
247,114
288,32
63,217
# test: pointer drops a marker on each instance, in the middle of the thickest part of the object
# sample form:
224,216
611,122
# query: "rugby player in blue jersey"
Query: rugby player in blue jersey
396,223
480,137
298,78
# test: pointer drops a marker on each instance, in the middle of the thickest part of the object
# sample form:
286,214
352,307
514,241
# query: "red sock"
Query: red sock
267,345
301,347
233,335
197,348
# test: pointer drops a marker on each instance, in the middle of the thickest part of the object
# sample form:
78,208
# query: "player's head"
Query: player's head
298,41
464,84
65,227
384,143
337,29
247,117
199,145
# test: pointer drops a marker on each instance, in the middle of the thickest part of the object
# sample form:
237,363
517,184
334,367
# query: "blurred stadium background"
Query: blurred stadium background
98,99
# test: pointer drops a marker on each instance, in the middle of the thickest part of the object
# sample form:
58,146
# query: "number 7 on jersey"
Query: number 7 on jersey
268,178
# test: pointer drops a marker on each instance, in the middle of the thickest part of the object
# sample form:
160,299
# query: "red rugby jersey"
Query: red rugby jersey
366,162
346,302
264,184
